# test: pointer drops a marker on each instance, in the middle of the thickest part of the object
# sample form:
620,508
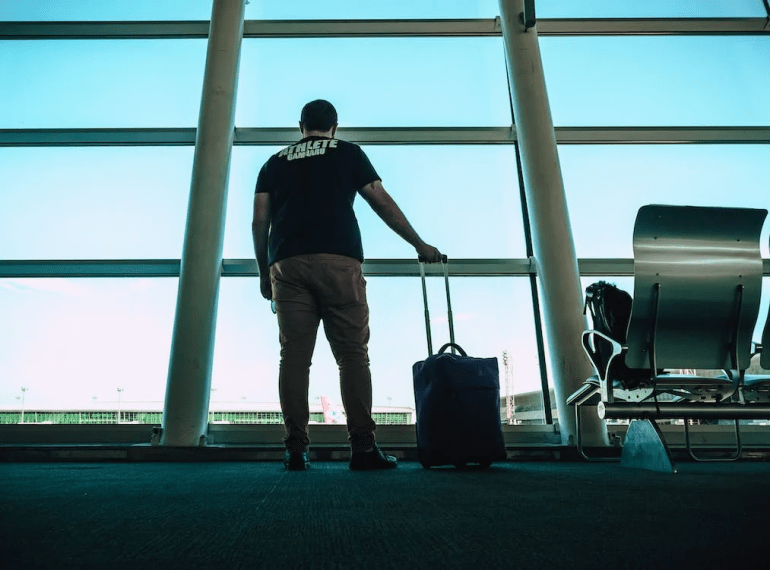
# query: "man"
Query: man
309,252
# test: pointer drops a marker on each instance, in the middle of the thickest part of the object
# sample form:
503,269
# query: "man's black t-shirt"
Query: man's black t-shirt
312,186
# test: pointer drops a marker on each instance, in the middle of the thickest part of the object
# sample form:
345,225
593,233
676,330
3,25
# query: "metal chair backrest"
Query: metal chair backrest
764,358
697,286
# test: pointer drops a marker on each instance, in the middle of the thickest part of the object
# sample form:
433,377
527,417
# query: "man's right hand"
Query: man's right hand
428,253
266,287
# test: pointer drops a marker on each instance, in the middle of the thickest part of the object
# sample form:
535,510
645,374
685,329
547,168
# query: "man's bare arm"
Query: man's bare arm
387,209
260,228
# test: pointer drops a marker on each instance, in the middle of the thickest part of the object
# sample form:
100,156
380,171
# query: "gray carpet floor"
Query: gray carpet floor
256,515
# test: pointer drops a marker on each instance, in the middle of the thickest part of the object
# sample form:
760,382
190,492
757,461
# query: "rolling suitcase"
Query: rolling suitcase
457,401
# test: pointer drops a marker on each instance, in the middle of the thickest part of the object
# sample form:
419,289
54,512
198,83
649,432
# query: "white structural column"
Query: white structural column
192,346
552,242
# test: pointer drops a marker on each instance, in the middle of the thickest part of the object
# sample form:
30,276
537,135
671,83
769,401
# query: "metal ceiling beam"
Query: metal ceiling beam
388,136
409,267
650,26
245,268
104,30
98,137
17,269
662,135
252,136
371,28
252,29
480,27
89,268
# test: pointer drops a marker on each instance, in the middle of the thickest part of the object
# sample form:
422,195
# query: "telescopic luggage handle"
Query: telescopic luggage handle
445,267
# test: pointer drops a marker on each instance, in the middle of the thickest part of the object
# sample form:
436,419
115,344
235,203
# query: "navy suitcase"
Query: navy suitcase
457,400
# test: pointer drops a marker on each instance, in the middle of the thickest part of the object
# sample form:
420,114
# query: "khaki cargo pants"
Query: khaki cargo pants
308,289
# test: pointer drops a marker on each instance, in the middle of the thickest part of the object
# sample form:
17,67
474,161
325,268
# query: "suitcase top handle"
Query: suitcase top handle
421,259
453,345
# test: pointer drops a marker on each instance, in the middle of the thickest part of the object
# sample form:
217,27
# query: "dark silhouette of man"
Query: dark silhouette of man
309,252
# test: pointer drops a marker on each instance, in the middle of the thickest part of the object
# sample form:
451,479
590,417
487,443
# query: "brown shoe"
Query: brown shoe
372,460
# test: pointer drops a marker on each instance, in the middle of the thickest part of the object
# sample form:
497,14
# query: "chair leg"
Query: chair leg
580,440
645,448
734,457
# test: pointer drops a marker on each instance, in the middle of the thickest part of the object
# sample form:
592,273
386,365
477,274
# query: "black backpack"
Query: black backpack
610,312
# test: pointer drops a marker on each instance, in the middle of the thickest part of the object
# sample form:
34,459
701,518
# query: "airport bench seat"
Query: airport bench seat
697,287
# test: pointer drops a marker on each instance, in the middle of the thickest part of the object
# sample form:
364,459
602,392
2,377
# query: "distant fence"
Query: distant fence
155,418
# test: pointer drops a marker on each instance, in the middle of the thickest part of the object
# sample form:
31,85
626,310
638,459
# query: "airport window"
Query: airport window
445,191
117,10
74,342
657,80
375,82
372,9
607,184
491,315
129,10
106,341
650,9
94,203
101,83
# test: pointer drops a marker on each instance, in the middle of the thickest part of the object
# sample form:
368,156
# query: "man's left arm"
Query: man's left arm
260,229
387,209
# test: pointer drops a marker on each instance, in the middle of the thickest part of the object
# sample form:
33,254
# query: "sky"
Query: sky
75,341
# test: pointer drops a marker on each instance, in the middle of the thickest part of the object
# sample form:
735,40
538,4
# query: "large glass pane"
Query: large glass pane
375,82
490,315
658,81
92,203
650,9
606,185
73,343
245,163
101,83
259,10
52,10
247,350
87,10
371,9
462,199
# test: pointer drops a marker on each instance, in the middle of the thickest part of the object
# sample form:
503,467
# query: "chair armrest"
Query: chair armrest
590,339
586,395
